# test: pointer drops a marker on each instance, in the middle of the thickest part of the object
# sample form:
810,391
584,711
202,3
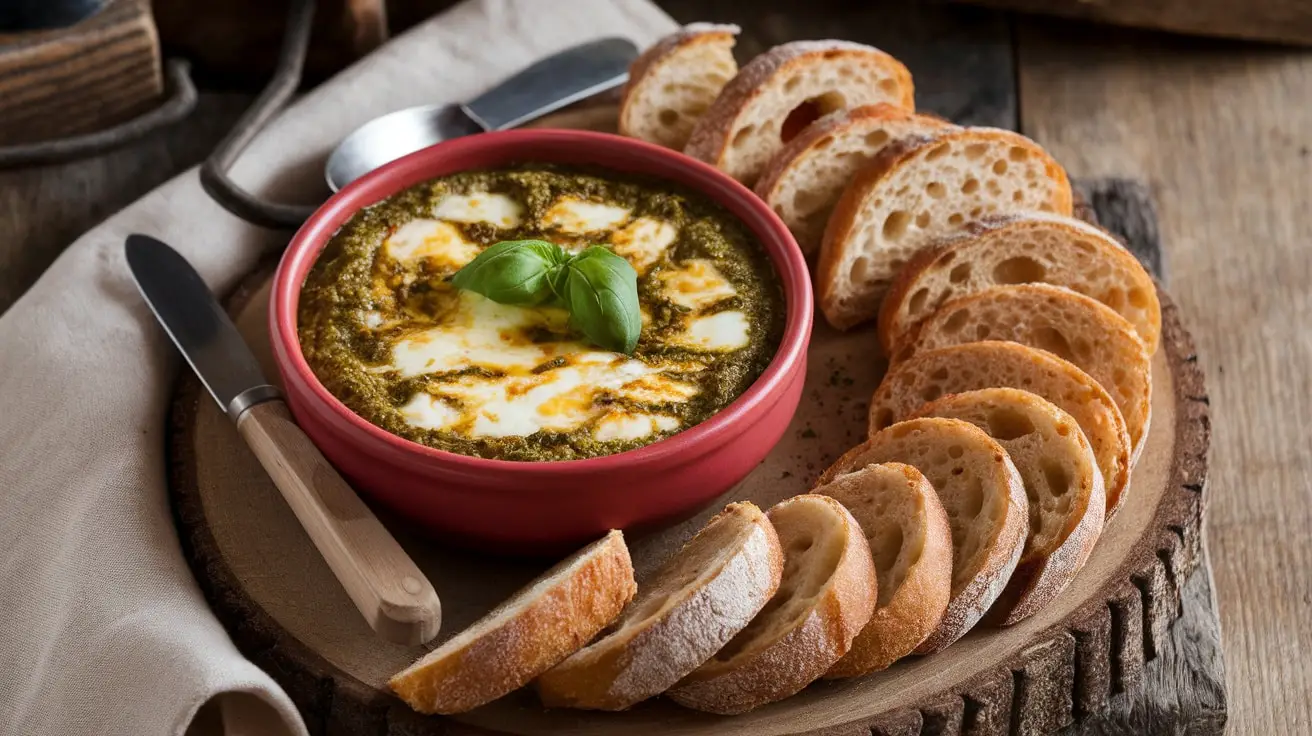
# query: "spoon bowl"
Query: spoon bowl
548,85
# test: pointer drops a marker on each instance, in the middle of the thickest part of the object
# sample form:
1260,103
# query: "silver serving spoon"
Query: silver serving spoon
548,85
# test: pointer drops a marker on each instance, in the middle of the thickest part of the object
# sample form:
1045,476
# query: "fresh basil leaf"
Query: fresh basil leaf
516,272
601,293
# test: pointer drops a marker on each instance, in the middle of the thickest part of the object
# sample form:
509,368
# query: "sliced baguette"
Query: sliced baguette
805,178
672,83
911,542
1062,483
693,606
826,595
534,630
930,374
781,91
1034,247
982,493
1071,326
920,190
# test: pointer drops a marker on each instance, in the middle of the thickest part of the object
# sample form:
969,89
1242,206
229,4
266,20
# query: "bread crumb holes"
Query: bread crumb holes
895,225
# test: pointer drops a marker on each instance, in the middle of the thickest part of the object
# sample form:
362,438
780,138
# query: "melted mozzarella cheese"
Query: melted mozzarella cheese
657,389
644,241
433,240
427,412
577,216
497,210
720,332
625,426
560,399
695,285
479,332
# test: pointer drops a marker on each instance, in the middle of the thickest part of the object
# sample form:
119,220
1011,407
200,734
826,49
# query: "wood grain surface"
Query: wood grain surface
1223,135
1288,21
82,78
235,43
43,209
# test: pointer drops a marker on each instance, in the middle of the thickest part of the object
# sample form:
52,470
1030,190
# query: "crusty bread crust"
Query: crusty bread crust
912,610
1002,549
1067,261
815,140
651,650
1075,327
1045,569
643,68
557,613
908,386
713,133
772,665
846,304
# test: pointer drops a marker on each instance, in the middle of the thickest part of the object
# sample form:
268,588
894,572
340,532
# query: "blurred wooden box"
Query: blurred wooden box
74,80
1284,21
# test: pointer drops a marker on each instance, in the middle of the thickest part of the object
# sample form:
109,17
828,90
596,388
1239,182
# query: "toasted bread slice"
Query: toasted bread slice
982,493
693,606
534,630
1071,326
920,190
783,90
826,595
930,374
672,83
1030,248
1062,483
805,178
911,542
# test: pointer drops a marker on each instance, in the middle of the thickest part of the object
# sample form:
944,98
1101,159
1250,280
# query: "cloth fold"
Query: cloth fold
102,628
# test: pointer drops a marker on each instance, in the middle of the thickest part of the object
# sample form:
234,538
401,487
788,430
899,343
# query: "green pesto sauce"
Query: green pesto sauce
345,282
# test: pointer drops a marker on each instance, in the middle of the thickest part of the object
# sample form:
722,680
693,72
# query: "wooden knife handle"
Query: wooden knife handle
389,589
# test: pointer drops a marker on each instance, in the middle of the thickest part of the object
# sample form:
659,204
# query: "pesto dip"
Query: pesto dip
386,332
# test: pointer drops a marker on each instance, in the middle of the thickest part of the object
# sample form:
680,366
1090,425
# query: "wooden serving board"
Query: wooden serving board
287,612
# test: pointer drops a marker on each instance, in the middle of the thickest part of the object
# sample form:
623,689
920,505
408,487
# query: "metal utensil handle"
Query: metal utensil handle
286,78
554,82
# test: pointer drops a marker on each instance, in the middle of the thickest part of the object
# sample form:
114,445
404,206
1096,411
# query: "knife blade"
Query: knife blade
197,325
391,592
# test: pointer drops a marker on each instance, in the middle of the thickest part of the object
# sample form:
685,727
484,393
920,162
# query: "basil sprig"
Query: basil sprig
598,288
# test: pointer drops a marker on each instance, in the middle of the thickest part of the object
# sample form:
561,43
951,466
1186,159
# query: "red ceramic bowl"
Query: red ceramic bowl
529,507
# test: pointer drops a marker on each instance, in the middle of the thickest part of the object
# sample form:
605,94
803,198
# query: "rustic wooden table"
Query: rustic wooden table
1222,133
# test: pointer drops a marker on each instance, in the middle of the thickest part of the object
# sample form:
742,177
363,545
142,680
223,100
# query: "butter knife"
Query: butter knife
387,587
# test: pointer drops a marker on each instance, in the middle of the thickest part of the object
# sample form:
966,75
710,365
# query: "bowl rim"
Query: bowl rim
786,257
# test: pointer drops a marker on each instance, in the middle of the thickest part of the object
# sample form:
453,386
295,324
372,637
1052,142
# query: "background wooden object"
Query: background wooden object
1223,136
234,43
44,209
1286,21
85,77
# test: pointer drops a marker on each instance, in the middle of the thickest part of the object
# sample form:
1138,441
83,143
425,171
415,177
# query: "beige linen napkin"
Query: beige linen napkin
102,629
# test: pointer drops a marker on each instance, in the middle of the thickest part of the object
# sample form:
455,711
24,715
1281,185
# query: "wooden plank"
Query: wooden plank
82,78
44,209
1223,134
234,44
961,57
1289,21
